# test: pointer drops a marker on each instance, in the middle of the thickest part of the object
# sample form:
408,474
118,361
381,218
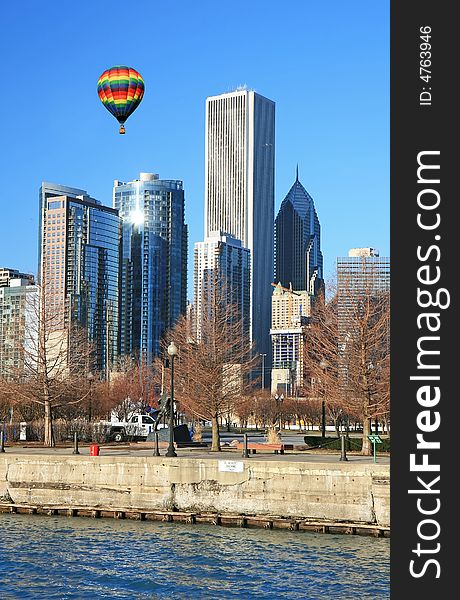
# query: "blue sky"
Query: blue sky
324,63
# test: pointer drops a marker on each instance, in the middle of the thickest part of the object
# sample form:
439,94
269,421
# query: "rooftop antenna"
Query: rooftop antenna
297,172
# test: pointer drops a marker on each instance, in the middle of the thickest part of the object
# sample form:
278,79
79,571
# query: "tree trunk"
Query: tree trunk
366,449
385,425
215,446
337,422
48,423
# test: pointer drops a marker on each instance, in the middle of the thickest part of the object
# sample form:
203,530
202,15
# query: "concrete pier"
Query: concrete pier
342,493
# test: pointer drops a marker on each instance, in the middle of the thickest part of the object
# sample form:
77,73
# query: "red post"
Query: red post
94,450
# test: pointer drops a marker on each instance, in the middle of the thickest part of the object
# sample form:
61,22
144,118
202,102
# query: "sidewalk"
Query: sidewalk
140,449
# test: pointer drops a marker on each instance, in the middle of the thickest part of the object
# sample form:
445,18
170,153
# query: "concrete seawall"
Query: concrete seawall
345,492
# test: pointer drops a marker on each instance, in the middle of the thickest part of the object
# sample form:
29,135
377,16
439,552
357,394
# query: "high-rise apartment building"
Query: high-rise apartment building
298,256
79,268
47,191
153,286
222,267
6,275
18,311
290,312
239,190
362,273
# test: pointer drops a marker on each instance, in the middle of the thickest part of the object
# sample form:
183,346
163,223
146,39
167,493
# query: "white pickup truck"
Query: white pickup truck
137,427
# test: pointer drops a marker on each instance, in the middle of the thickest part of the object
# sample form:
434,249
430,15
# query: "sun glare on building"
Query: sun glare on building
137,217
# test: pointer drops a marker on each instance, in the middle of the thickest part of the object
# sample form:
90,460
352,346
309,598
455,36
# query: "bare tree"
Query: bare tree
350,367
213,366
132,384
306,408
5,403
56,359
322,360
366,362
243,410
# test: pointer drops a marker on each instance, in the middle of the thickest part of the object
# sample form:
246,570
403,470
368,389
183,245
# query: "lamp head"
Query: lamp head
172,349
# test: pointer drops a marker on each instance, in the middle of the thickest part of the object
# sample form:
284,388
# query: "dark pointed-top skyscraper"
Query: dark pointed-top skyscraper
298,256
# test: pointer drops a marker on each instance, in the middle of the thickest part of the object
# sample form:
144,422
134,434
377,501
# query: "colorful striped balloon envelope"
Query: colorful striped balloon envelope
121,90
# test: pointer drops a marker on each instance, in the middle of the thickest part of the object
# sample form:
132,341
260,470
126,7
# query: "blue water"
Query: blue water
80,558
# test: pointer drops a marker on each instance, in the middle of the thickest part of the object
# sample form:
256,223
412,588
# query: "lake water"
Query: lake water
81,558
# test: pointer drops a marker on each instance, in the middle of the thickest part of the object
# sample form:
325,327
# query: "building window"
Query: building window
53,205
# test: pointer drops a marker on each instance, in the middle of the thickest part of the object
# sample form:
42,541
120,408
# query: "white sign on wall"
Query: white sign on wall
234,466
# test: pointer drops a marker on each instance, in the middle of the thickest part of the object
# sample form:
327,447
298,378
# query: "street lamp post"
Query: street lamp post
323,367
323,418
262,383
172,351
90,378
279,400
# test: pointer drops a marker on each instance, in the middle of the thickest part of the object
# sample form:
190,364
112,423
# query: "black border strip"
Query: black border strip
423,127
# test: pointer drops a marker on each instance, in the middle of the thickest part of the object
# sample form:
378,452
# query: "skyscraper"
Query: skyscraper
239,189
290,312
18,298
153,263
362,273
79,267
6,275
298,256
222,262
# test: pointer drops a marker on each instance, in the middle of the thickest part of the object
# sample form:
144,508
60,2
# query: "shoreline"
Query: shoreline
224,520
280,492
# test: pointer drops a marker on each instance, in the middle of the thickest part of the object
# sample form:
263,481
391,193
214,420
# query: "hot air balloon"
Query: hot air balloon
120,90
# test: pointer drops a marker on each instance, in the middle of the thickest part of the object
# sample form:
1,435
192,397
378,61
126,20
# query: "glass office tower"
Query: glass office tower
298,256
154,261
79,268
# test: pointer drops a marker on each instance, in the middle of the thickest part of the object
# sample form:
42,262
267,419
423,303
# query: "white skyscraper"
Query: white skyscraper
239,189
